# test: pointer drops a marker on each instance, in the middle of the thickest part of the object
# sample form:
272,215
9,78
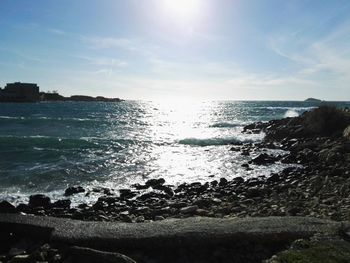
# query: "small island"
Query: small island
312,100
30,92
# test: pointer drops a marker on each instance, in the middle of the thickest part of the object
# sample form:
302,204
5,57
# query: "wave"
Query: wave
289,108
42,142
44,118
291,113
222,141
226,125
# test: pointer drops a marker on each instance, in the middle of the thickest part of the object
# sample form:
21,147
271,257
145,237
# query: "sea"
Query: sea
46,147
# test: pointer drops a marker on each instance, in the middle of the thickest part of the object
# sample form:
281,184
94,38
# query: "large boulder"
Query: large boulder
6,207
39,200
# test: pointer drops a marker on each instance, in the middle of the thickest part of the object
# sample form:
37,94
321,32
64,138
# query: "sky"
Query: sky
167,49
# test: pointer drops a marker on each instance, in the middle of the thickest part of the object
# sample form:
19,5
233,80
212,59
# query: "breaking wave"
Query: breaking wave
291,113
222,141
226,125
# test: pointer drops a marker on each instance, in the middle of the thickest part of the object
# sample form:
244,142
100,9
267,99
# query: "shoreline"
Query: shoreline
317,144
311,188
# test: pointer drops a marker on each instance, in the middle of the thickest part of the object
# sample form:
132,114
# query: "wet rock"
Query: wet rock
245,165
238,180
6,207
127,194
152,195
140,186
167,190
223,182
64,204
39,200
99,205
74,190
245,153
155,182
263,159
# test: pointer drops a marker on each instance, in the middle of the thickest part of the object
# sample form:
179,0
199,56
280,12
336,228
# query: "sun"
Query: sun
185,10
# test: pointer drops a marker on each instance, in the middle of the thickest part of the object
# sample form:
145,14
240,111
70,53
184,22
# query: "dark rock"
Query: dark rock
99,205
6,207
263,159
140,186
274,178
223,182
245,165
65,204
245,153
126,194
74,190
165,189
155,182
238,180
23,208
39,200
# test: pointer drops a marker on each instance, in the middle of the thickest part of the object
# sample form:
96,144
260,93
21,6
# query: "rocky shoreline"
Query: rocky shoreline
317,185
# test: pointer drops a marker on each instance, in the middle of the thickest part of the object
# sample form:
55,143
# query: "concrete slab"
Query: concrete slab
176,233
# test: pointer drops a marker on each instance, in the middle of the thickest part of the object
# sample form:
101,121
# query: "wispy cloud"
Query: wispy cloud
104,61
331,53
109,42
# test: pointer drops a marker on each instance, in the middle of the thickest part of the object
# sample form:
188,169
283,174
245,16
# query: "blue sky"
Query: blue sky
155,49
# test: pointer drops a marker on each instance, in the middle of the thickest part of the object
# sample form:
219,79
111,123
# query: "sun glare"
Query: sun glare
182,9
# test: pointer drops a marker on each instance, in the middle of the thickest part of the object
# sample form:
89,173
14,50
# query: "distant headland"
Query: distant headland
312,100
30,92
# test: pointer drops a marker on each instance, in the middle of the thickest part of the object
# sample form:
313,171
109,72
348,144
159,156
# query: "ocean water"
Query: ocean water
46,147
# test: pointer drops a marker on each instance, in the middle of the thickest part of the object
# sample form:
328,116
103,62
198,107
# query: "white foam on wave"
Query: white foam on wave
289,108
291,113
222,140
226,124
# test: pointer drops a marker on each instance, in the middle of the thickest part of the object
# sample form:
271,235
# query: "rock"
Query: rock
158,218
245,165
6,207
238,180
23,208
20,259
65,204
99,205
127,194
346,133
39,200
74,190
274,178
223,182
155,182
189,209
165,189
140,219
263,159
140,186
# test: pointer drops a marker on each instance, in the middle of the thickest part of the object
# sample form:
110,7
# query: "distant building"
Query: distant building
20,92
